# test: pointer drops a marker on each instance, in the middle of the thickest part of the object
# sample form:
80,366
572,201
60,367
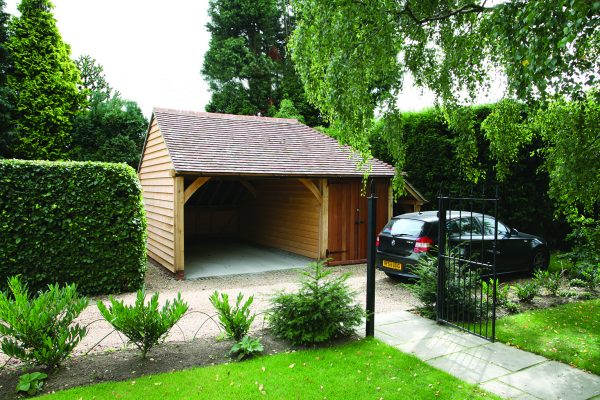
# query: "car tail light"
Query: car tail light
423,245
377,242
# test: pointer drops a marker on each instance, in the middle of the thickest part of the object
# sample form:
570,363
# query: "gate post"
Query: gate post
371,253
441,272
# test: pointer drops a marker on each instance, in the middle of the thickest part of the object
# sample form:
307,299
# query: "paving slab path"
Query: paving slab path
501,369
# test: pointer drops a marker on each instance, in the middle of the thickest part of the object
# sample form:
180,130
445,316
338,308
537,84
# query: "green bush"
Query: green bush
235,321
462,289
144,324
40,329
550,281
247,347
72,222
323,309
527,291
31,383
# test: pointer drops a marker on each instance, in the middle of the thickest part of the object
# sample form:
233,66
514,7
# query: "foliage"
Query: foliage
247,66
247,347
288,110
353,58
550,281
567,333
40,329
576,282
512,308
326,372
524,203
235,321
462,296
93,80
6,95
31,383
111,130
323,309
71,222
44,80
144,324
501,290
526,291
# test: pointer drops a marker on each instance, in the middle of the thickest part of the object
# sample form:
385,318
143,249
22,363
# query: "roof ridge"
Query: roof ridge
225,116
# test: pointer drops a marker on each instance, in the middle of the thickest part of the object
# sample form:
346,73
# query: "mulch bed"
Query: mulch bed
119,365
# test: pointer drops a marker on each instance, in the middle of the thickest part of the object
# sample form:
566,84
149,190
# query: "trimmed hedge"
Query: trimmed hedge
72,222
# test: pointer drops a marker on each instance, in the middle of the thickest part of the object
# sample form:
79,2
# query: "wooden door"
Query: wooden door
347,239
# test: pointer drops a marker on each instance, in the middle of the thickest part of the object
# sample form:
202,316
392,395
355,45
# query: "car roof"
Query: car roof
432,216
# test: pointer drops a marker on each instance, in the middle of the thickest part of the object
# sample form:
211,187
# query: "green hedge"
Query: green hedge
432,166
72,222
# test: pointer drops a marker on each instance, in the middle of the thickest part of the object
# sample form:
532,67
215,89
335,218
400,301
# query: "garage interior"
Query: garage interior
235,226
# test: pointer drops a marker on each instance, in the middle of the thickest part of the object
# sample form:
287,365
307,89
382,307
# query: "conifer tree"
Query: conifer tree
45,82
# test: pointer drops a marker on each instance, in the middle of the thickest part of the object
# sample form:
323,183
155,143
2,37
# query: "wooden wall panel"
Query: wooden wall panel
158,185
211,222
285,215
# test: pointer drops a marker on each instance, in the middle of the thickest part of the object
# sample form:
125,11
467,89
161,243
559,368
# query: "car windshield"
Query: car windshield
404,227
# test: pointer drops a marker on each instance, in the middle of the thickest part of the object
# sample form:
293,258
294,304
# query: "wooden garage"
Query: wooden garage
269,181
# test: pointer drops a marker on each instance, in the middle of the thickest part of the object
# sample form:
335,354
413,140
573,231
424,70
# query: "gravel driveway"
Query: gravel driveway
389,297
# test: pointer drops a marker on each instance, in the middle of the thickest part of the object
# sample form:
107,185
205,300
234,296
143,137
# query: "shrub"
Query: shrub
527,291
246,347
568,293
72,222
235,321
31,383
144,324
512,307
501,290
40,330
462,289
576,282
550,281
323,309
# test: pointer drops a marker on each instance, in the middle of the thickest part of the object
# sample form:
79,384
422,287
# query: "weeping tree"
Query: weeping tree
354,57
44,81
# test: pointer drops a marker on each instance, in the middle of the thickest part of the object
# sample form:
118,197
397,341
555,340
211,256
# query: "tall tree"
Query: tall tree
353,56
93,80
111,129
5,93
45,82
246,65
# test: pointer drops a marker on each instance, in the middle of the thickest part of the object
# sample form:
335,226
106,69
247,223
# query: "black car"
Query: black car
407,237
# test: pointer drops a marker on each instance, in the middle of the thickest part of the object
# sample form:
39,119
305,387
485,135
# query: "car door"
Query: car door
465,238
511,249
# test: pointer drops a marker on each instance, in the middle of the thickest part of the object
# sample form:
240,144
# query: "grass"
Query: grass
569,333
366,369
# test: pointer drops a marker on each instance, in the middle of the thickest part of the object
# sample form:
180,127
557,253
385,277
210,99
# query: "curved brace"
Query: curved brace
197,184
313,188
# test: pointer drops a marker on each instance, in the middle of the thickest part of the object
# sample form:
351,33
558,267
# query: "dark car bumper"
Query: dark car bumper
407,263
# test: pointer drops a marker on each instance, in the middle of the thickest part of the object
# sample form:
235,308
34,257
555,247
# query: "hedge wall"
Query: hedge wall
432,166
72,222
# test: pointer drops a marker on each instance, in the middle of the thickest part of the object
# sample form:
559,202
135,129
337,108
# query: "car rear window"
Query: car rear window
404,227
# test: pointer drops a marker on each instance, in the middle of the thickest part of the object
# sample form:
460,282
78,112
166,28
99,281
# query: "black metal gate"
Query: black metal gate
467,281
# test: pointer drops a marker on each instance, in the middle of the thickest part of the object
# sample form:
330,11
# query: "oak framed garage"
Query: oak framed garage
268,181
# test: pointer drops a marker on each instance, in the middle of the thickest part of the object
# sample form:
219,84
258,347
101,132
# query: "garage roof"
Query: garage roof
223,144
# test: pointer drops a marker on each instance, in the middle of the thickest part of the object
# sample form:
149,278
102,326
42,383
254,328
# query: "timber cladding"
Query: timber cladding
158,184
285,214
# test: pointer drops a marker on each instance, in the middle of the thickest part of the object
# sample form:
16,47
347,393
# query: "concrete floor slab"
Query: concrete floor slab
468,368
204,258
407,331
430,347
505,356
553,380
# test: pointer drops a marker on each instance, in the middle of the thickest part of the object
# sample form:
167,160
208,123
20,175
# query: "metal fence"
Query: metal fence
467,281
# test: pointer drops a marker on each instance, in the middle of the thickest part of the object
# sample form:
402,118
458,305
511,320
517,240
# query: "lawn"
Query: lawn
569,333
366,369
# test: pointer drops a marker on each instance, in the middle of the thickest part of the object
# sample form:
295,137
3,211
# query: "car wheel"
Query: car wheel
540,260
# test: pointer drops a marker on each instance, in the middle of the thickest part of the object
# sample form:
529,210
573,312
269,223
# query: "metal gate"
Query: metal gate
467,281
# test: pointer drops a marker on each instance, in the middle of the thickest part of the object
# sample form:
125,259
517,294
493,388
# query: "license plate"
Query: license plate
392,265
